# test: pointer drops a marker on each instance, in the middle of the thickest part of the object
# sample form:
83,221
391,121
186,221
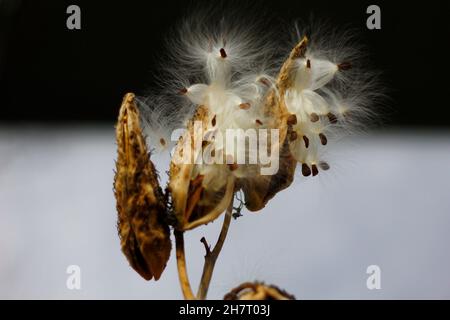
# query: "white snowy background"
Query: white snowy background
386,202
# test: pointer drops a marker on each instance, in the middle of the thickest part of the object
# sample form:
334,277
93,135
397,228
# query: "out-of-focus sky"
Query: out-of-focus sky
385,203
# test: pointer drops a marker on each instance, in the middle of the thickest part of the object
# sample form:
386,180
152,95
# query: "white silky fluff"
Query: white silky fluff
197,73
225,64
333,82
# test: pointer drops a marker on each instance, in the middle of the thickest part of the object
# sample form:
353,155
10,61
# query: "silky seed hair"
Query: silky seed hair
228,58
230,63
333,93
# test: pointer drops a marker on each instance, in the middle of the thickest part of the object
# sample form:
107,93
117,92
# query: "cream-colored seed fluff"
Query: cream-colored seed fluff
222,66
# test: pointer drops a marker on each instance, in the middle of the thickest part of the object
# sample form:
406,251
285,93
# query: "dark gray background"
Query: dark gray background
50,73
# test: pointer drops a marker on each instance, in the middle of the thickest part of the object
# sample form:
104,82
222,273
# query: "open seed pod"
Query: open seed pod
257,291
199,193
309,99
258,190
141,205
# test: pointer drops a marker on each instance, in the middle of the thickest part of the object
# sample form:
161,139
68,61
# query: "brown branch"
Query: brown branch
207,247
181,265
211,256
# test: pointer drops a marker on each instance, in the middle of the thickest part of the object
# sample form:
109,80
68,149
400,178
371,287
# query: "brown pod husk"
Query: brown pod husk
257,291
260,189
141,205
193,204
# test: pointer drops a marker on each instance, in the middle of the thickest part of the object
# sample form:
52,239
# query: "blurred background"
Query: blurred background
386,202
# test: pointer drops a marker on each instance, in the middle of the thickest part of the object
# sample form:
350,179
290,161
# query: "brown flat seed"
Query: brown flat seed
306,141
265,81
162,141
292,120
293,136
306,171
344,66
223,53
332,117
244,106
323,139
258,122
324,165
183,91
213,121
308,64
314,117
315,171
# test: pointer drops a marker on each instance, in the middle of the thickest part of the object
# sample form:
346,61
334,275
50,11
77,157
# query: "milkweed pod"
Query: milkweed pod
199,193
259,190
257,291
141,205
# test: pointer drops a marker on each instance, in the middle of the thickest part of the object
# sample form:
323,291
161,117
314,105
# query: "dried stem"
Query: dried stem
211,256
181,265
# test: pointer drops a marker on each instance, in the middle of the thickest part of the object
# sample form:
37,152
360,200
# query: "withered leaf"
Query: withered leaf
141,205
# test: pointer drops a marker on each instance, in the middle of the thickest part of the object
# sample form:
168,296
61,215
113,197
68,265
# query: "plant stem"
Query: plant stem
181,265
211,256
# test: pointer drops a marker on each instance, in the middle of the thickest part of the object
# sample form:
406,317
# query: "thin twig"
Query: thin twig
207,247
211,256
181,265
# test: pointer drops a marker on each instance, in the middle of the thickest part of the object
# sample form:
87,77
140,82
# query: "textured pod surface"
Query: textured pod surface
257,291
141,205
258,190
192,203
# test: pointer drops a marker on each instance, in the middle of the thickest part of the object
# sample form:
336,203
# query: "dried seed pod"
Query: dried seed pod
260,189
141,205
257,291
192,203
